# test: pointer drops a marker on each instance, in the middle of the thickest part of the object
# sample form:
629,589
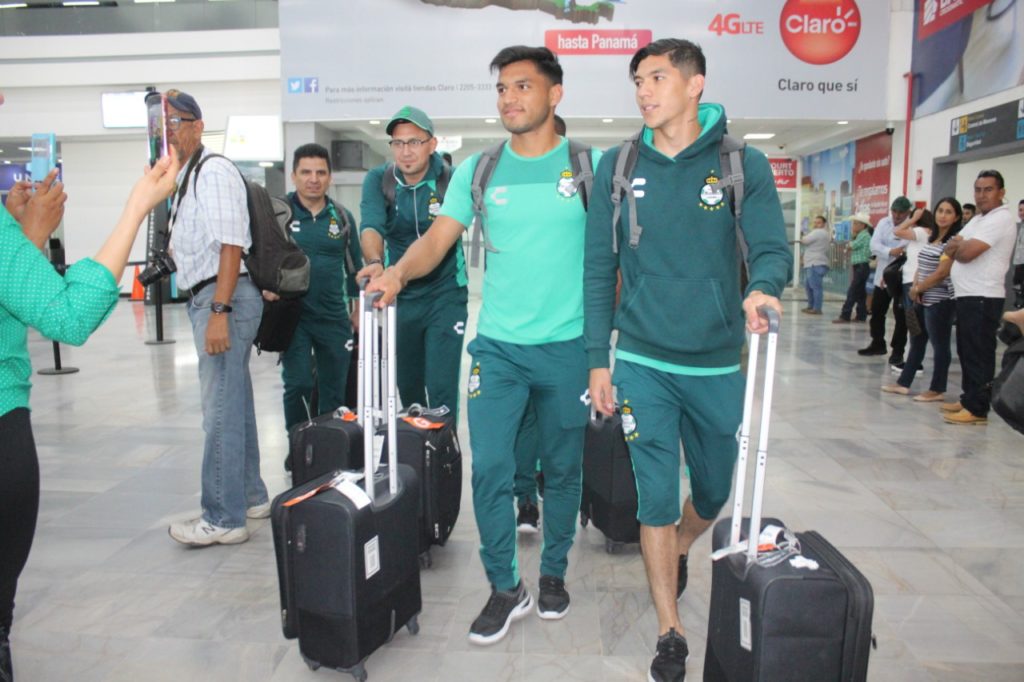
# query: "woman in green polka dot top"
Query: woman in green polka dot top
64,308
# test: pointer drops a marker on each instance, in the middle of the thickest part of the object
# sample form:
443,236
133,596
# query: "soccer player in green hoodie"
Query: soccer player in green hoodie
681,320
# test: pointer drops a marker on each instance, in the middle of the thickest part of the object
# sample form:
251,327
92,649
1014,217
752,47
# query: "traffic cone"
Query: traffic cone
138,291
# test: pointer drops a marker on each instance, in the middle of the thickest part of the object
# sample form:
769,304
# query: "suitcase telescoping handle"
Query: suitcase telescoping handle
744,441
377,328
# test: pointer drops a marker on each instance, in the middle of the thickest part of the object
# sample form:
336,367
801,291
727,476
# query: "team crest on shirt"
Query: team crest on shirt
629,425
333,231
434,206
712,193
566,187
474,382
296,226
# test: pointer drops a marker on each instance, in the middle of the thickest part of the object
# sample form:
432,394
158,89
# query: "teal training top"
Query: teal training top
324,240
406,220
32,294
533,285
681,304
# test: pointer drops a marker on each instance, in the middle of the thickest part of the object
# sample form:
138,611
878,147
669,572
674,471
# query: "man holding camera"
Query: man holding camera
209,231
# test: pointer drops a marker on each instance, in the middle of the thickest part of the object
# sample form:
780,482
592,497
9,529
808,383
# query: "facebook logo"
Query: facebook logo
312,84
294,85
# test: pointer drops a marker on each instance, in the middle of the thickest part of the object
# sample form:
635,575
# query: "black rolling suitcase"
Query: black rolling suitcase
428,442
609,487
347,546
323,444
785,606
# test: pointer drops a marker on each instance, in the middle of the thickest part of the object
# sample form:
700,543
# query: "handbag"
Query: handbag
1008,386
892,277
913,317
278,323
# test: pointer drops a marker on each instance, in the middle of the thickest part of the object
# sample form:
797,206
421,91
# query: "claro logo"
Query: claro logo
820,31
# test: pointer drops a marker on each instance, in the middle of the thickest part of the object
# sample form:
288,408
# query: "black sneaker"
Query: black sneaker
6,669
499,612
529,518
669,663
873,349
681,577
288,463
553,600
896,361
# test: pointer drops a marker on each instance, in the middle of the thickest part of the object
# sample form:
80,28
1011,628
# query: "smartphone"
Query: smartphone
44,155
156,108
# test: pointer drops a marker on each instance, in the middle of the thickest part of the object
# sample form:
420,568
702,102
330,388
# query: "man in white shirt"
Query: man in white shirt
887,247
209,232
981,255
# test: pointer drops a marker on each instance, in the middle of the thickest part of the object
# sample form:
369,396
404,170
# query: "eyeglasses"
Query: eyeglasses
413,144
174,122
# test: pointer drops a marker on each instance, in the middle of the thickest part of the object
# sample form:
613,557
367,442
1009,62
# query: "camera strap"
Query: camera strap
182,190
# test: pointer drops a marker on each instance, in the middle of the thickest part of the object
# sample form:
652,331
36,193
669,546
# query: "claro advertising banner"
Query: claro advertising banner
792,59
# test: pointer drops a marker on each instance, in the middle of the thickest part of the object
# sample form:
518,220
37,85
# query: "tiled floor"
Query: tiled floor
931,513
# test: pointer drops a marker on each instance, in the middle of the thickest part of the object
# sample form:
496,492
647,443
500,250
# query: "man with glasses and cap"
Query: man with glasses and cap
209,232
400,201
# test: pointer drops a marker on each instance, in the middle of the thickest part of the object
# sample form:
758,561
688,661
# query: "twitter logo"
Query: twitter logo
294,85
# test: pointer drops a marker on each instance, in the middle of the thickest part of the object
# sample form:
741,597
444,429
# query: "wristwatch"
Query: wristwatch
373,261
218,307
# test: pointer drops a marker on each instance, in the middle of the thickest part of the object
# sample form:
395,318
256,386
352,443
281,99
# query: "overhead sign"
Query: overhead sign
935,15
787,59
987,128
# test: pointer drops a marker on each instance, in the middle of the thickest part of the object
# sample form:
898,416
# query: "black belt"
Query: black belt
194,291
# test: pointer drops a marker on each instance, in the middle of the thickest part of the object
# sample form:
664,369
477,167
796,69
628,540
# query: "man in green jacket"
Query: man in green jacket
681,322
399,203
324,231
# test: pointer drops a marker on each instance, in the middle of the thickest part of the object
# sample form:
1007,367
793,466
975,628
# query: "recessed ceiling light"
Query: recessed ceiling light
490,120
607,120
7,162
26,149
375,122
758,136
81,3
14,5
266,164
842,123
145,2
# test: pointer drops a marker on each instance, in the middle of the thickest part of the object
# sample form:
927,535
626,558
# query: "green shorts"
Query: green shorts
659,411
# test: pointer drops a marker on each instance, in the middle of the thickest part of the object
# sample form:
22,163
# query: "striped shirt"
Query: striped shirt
213,212
927,263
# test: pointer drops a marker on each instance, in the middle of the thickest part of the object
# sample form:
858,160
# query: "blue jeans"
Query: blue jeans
231,457
814,282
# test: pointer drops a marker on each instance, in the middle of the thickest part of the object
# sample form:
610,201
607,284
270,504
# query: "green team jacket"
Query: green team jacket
681,302
405,221
323,239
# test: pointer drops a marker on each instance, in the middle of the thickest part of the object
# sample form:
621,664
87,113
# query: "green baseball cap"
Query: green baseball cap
901,205
412,115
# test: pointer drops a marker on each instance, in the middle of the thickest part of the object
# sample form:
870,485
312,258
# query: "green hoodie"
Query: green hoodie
681,304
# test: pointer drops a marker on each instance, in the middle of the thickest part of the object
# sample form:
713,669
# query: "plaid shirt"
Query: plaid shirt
861,246
213,212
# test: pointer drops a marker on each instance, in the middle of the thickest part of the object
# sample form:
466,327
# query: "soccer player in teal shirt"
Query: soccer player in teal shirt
529,346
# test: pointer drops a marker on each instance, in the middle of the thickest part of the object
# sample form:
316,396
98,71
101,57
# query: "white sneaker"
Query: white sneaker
259,511
202,533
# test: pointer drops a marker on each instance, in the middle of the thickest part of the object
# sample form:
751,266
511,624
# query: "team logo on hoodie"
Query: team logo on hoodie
566,187
434,206
333,231
712,193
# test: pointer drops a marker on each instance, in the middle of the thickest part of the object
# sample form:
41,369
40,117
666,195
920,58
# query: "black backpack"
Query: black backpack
1008,385
582,164
389,183
274,261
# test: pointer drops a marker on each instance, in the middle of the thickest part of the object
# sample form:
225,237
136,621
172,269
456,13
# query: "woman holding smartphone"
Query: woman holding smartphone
64,308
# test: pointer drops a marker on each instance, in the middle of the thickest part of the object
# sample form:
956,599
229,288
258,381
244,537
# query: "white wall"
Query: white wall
1012,168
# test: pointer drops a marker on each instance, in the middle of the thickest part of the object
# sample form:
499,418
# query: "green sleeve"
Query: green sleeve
66,309
355,252
769,258
600,265
373,207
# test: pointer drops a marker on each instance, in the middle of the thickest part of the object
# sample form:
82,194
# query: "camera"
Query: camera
160,265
